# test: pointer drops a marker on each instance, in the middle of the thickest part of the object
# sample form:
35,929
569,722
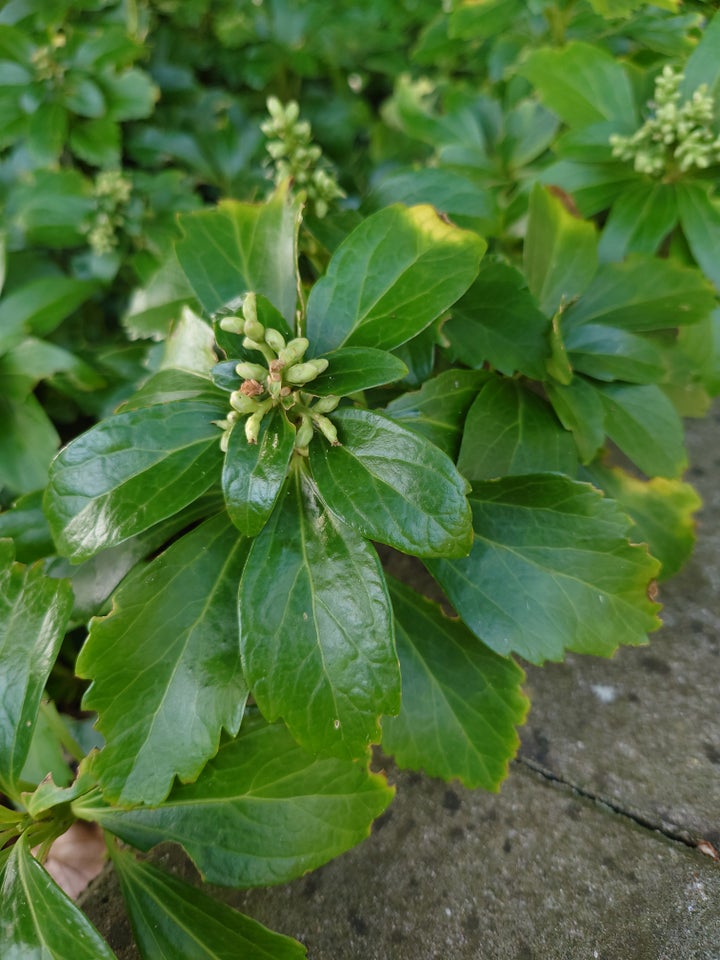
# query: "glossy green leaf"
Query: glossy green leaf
395,273
165,665
39,306
393,486
639,221
498,322
472,20
154,305
699,213
642,294
353,369
168,386
94,580
34,612
511,430
437,410
580,410
456,195
38,921
592,186
26,525
130,95
171,919
609,353
241,247
643,422
560,252
263,811
316,629
131,471
28,441
583,84
551,570
663,511
461,701
253,473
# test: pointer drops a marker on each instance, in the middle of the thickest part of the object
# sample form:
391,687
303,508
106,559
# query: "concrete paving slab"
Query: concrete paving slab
642,730
536,873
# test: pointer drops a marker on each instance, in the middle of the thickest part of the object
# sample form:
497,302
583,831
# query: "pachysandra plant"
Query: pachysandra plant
256,457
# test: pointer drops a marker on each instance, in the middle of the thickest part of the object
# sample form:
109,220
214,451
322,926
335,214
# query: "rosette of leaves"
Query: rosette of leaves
241,490
642,152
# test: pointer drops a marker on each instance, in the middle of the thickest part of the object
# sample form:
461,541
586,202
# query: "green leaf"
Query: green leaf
639,221
511,430
479,19
703,65
34,611
460,703
699,214
83,96
131,471
498,322
263,810
437,410
130,95
26,525
560,253
551,570
39,922
609,353
39,306
583,84
241,247
454,194
171,919
28,441
580,410
170,385
253,473
97,141
593,186
643,422
167,657
153,306
316,630
663,511
643,294
393,486
395,273
353,369
48,132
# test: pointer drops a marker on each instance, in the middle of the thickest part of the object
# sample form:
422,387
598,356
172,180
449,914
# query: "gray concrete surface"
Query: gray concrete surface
545,870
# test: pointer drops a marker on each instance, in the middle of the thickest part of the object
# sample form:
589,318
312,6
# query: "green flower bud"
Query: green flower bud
327,428
294,351
304,433
305,372
233,325
251,371
241,403
274,339
252,426
325,404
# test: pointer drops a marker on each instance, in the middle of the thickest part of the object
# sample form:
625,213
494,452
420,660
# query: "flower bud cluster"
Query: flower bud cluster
112,193
44,61
294,156
677,136
276,384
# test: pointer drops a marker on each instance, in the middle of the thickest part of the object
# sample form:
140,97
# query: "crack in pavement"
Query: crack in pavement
676,834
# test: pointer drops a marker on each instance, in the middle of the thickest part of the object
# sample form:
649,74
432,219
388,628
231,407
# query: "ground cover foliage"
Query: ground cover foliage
278,289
